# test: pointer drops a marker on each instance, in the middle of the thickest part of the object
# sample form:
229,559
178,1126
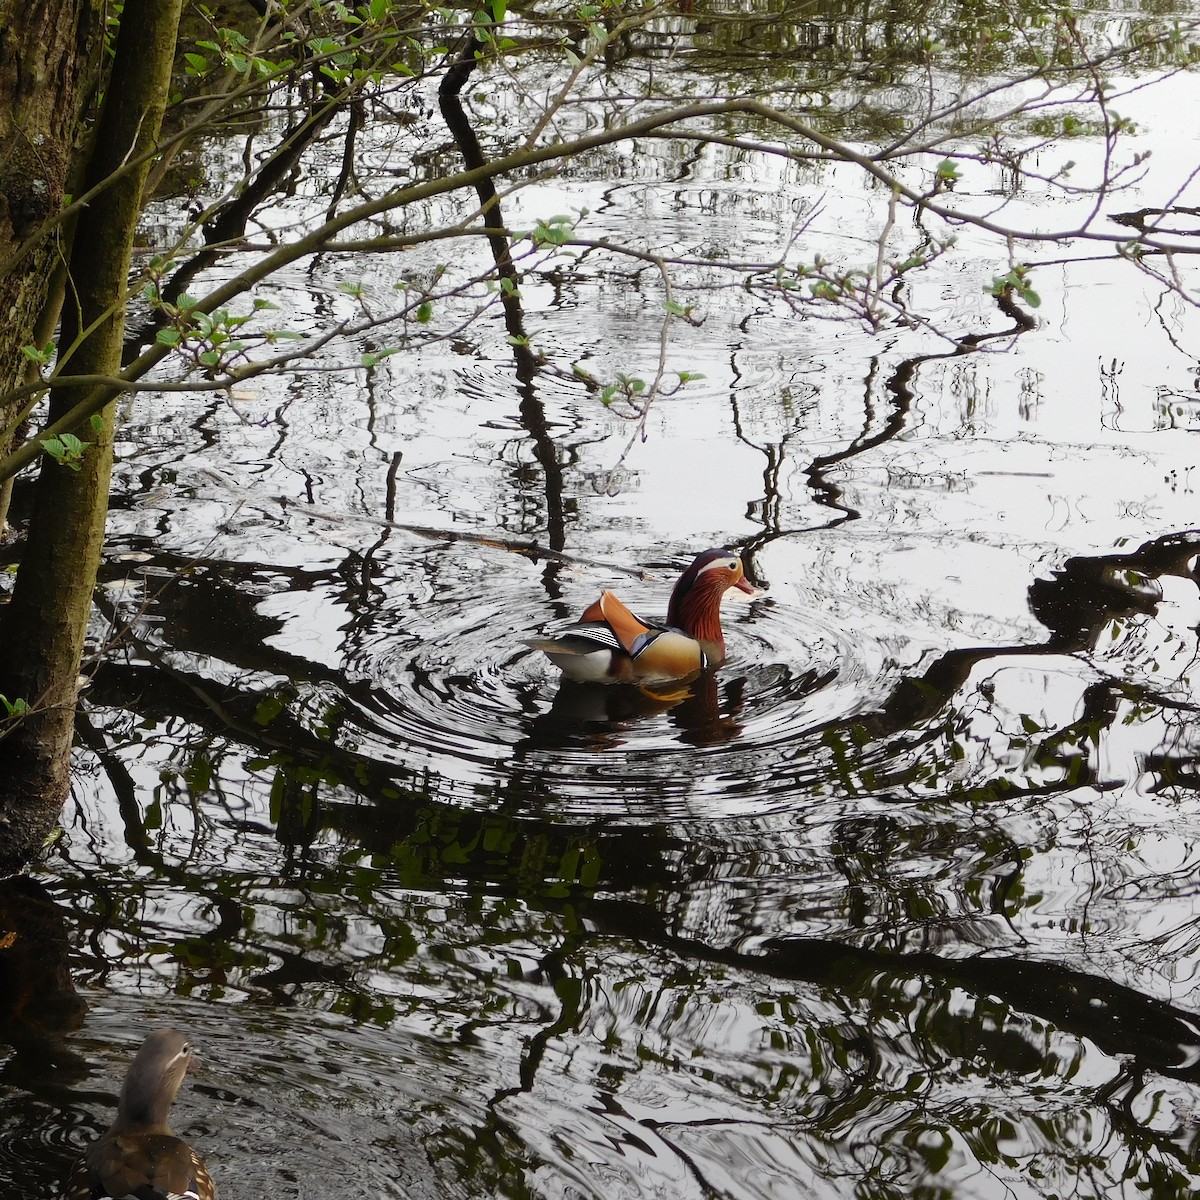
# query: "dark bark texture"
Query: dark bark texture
42,631
44,56
45,51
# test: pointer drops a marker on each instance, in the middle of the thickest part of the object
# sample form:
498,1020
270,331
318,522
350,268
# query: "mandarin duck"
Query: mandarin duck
608,644
139,1156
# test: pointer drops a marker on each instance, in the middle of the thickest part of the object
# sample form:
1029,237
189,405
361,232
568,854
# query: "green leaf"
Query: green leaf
268,709
371,357
168,337
67,450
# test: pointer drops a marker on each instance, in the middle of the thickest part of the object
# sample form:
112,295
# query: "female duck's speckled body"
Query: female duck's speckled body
609,644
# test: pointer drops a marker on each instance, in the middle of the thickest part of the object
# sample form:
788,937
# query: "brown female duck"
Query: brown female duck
139,1156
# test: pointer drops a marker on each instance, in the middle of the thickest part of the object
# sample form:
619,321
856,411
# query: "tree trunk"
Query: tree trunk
42,636
44,55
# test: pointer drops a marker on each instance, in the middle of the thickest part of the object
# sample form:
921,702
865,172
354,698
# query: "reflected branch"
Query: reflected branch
1120,1020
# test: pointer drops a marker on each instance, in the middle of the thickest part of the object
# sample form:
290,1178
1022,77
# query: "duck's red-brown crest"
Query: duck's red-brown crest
696,600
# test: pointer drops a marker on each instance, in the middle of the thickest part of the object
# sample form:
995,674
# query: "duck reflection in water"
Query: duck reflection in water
695,707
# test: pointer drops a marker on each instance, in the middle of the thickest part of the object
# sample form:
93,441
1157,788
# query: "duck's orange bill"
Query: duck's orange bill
744,585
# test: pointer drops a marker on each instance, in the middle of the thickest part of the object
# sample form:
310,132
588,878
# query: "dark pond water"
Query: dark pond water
904,902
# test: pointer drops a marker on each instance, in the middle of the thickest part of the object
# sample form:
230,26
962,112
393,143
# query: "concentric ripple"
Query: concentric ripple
473,707
40,1145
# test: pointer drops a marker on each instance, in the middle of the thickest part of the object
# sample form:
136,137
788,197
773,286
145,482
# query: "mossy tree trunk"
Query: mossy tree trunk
43,628
45,52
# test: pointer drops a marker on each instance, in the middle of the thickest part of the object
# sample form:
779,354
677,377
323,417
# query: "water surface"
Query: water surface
902,902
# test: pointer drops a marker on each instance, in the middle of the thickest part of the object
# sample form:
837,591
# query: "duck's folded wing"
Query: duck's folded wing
581,638
149,1166
584,652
